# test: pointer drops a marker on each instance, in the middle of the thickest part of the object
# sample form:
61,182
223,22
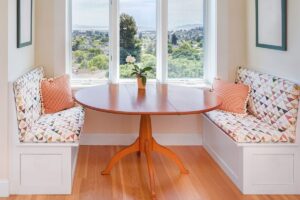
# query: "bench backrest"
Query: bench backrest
28,99
273,100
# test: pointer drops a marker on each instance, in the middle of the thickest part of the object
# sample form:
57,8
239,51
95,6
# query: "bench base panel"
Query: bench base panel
43,169
254,168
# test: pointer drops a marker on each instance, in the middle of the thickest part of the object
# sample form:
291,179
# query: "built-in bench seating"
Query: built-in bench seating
260,151
43,147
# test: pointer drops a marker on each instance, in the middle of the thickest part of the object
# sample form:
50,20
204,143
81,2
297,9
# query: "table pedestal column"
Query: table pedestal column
146,144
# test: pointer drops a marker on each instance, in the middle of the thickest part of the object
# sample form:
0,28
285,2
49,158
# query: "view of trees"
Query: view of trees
90,54
185,58
140,45
91,51
130,45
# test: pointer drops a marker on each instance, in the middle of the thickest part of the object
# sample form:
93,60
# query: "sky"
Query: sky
96,12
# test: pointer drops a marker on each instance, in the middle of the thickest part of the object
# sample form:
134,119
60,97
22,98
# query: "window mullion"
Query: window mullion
114,41
162,40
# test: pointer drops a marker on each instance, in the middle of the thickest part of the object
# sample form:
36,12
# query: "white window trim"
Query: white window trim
114,41
162,41
162,47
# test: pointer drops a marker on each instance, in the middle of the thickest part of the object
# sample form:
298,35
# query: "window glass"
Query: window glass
90,39
185,39
138,38
138,35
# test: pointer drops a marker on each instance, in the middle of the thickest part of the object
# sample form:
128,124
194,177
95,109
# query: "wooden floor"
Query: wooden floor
129,179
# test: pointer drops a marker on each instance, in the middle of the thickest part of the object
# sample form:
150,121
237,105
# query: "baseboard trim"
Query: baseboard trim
4,188
188,139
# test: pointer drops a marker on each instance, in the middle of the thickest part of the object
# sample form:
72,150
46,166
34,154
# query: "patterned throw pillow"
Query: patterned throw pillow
56,94
234,96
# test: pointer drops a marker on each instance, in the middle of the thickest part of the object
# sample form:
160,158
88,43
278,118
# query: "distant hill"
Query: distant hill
187,27
86,28
187,33
141,28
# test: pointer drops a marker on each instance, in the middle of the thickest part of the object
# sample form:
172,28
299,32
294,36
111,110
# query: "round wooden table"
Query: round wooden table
157,99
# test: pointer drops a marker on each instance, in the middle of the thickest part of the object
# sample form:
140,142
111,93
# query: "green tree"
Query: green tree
83,64
77,43
185,68
79,56
99,62
170,48
129,44
126,71
150,47
96,43
187,51
149,60
174,39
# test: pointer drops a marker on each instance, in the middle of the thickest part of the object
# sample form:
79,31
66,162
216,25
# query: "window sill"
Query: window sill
78,84
81,84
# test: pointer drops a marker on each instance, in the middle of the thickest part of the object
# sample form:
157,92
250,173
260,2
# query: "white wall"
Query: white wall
237,36
23,59
50,33
45,35
3,88
285,64
231,37
13,63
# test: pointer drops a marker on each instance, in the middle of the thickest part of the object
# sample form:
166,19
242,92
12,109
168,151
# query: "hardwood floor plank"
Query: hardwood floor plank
129,179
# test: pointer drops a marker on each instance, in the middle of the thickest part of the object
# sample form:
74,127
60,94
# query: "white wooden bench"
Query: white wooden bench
43,147
262,158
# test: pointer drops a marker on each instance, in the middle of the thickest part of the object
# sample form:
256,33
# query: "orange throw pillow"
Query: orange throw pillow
56,94
234,96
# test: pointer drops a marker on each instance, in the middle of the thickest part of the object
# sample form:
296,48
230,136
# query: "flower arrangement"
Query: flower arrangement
139,72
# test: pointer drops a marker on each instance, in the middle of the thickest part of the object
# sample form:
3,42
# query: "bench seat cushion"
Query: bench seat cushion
273,100
61,127
249,129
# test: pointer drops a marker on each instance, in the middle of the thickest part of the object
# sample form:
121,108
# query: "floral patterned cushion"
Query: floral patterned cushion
64,126
28,100
273,100
249,129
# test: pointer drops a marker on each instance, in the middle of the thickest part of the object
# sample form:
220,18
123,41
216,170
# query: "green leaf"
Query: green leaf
133,73
147,69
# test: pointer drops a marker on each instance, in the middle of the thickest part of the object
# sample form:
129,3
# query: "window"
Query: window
138,35
90,39
186,39
105,32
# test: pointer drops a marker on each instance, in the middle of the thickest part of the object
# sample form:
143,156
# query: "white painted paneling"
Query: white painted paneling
4,188
255,168
41,170
262,174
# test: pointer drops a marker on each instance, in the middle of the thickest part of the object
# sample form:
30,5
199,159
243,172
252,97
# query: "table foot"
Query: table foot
148,152
170,154
135,147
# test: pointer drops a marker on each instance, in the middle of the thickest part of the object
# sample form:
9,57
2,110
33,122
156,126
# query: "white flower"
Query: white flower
130,59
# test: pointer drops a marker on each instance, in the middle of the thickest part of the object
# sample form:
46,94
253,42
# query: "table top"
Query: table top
157,99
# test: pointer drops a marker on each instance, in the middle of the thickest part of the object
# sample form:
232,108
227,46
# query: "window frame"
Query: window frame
161,48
